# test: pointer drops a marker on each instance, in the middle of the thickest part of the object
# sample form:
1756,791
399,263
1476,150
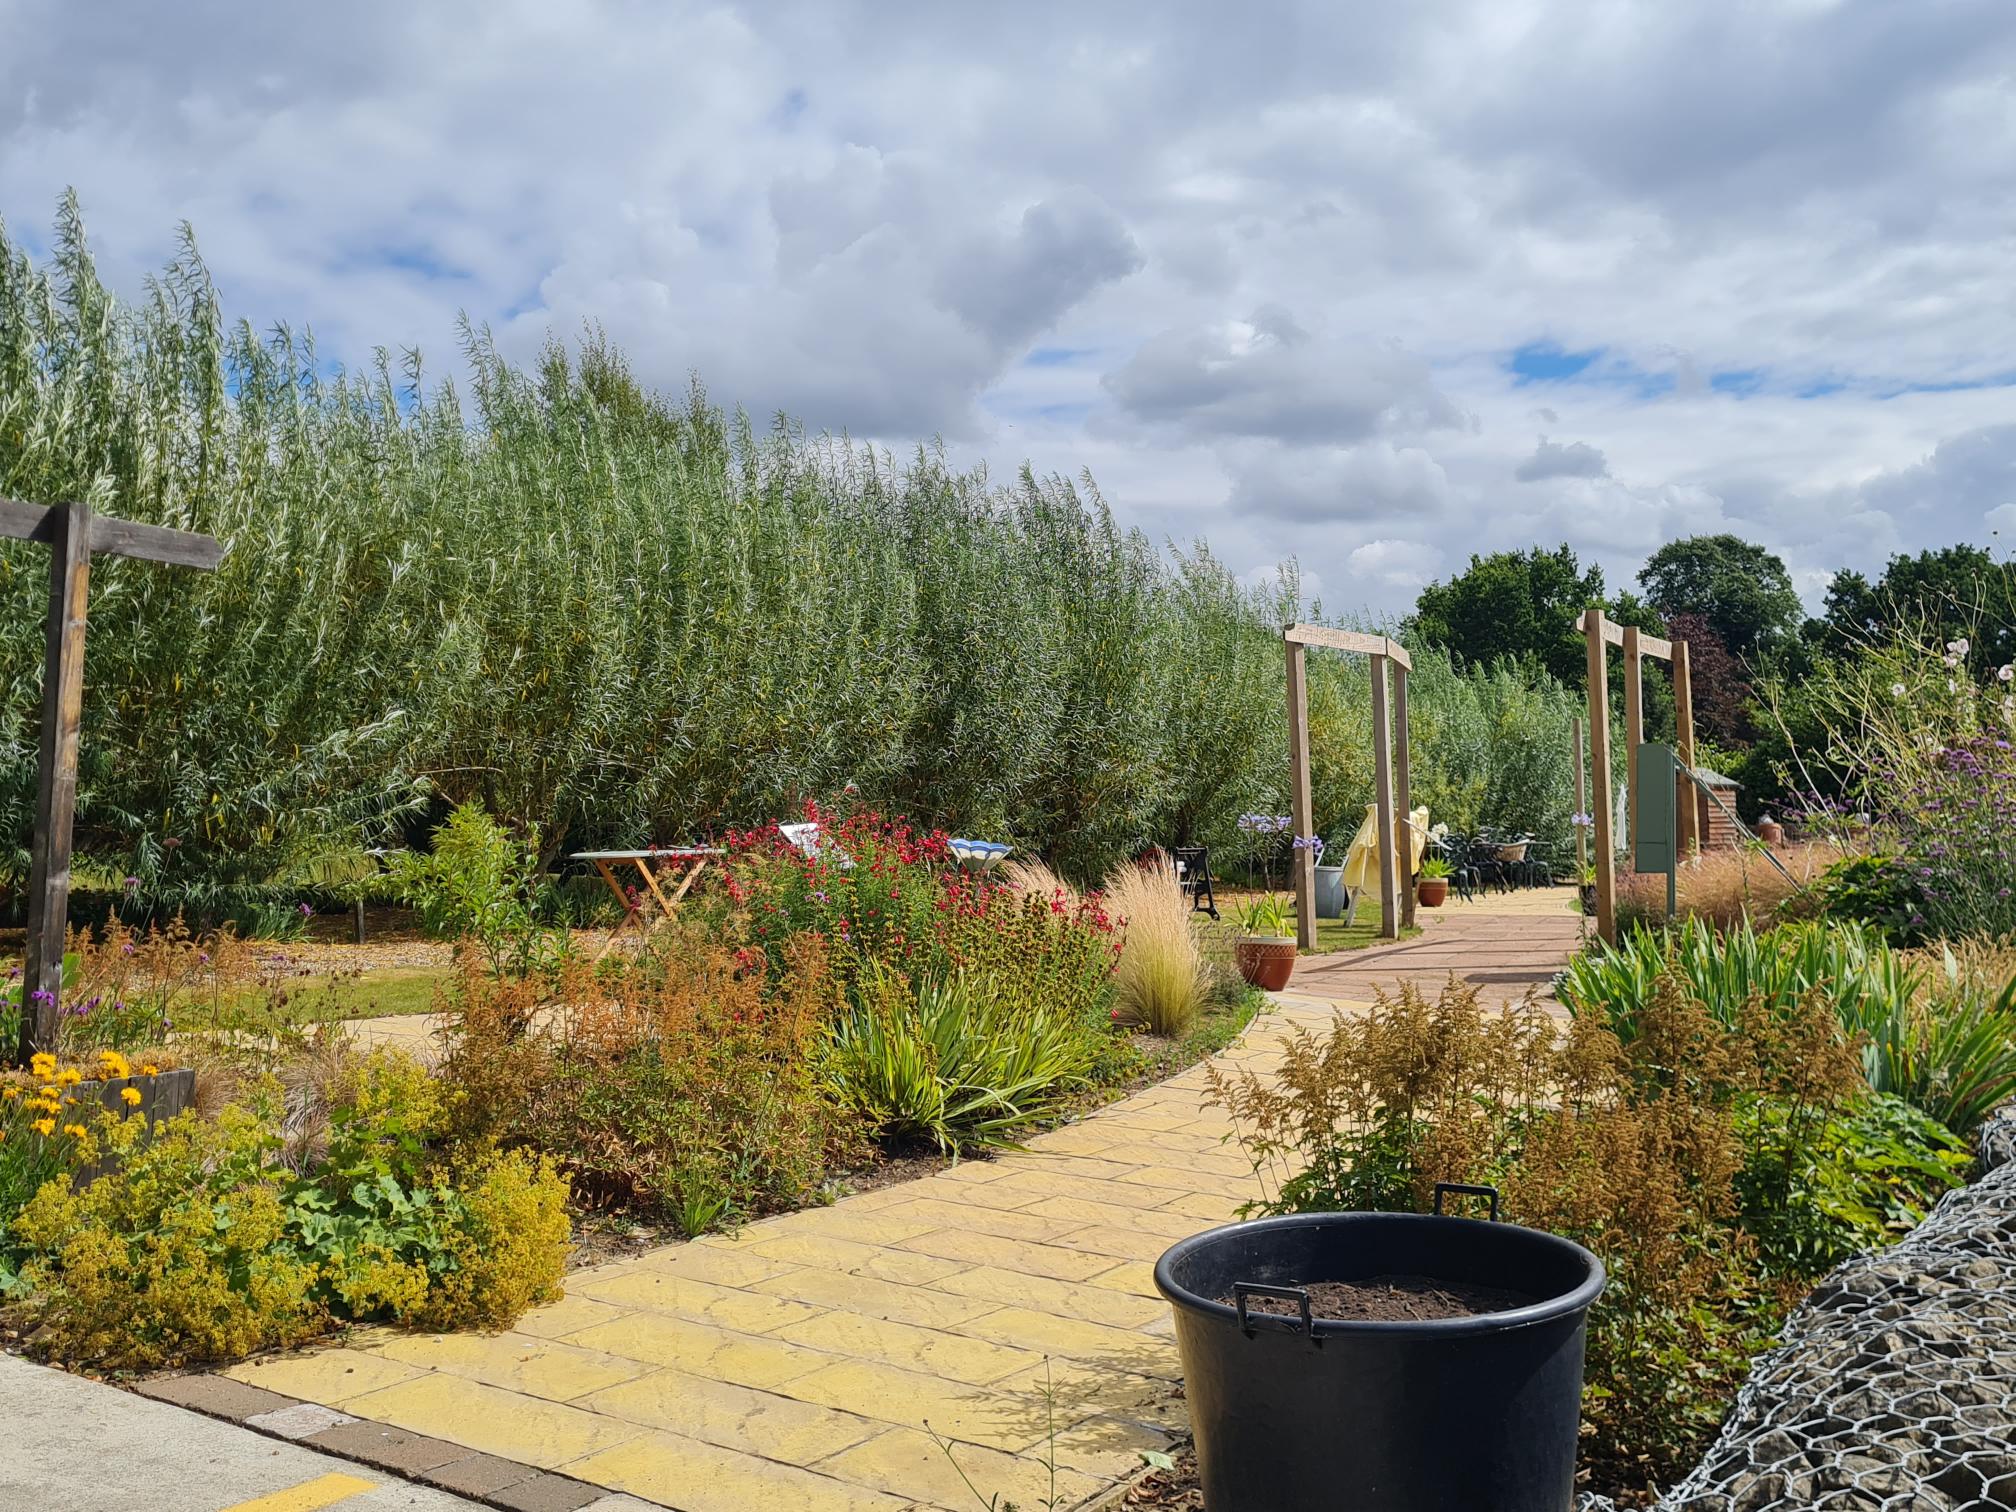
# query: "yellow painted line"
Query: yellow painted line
323,1491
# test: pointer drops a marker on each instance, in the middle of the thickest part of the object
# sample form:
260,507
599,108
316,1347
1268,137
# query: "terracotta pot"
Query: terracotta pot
1432,892
1771,832
1267,961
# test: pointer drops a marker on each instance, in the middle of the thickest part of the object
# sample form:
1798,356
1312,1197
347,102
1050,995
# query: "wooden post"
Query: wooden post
56,798
1581,805
1634,727
1382,766
1303,861
1686,842
1404,802
1599,780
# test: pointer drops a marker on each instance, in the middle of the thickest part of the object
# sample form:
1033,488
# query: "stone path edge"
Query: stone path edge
487,1478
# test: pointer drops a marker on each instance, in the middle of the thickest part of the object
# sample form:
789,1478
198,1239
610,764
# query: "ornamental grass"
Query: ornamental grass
1162,975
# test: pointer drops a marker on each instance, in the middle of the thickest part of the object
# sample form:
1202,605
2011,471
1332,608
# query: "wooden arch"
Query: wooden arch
1603,634
1396,903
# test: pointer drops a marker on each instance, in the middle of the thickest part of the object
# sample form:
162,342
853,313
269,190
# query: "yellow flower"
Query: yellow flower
69,1076
44,1126
75,1131
112,1065
43,1104
130,1096
150,1069
42,1064
10,1091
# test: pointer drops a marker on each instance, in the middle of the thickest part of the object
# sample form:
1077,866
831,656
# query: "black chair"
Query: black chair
1193,871
1454,849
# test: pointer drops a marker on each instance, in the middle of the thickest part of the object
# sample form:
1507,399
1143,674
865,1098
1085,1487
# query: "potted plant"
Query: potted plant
1266,948
1585,888
1299,1404
1433,887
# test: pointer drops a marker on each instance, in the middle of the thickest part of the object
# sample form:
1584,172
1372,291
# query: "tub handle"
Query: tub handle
1250,1322
1442,1187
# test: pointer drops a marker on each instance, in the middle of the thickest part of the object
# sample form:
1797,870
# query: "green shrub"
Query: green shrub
1725,970
1876,891
478,883
954,1060
199,1244
679,1083
459,566
181,1253
1939,1031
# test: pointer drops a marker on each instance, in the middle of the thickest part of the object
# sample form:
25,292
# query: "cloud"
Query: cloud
1288,259
1371,483
1266,376
1552,459
1404,565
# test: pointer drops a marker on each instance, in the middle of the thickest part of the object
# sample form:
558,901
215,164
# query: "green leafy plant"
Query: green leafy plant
478,883
951,1060
1878,891
1265,915
1434,869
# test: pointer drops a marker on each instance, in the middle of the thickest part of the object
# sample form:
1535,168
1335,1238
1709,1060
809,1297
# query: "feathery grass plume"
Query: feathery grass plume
1034,877
1162,974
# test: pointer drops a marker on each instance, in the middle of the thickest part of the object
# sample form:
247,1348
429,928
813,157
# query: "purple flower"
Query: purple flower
307,912
132,884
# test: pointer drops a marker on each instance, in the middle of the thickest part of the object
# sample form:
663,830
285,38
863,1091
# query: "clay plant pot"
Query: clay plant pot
1771,832
1267,961
1432,892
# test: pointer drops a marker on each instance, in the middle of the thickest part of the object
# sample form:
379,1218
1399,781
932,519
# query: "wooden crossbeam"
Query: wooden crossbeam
1613,634
22,521
1348,640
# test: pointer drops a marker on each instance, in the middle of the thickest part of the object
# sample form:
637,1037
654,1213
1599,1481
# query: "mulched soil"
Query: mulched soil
1391,1299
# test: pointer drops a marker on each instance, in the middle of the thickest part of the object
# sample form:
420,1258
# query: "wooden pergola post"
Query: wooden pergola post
1686,842
1303,859
1599,777
1382,798
71,532
1634,726
1403,795
1383,652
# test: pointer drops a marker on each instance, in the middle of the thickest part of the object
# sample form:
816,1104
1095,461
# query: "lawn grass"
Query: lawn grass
331,999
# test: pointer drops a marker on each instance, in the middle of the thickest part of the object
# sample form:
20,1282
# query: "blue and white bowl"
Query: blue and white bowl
977,855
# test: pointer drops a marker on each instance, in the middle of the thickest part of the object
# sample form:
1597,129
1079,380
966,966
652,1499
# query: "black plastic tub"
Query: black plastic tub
1294,1414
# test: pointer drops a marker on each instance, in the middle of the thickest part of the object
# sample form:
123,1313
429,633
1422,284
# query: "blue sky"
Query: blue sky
1370,287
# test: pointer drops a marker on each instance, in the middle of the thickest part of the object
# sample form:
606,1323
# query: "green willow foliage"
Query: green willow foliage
623,619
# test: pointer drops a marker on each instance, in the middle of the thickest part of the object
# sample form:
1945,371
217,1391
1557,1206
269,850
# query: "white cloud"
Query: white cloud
1555,459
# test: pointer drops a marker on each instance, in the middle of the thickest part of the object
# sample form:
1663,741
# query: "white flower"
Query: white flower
1952,686
1959,647
1951,659
2005,672
1897,690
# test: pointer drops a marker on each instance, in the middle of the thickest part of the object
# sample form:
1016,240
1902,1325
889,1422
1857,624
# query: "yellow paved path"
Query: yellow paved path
1006,1303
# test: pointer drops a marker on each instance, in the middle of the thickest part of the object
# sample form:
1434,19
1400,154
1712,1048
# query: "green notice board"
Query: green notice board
1655,823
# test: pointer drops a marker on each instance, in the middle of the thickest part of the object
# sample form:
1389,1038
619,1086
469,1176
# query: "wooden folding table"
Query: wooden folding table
608,863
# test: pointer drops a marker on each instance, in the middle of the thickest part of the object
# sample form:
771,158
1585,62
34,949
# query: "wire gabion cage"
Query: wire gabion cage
1893,1388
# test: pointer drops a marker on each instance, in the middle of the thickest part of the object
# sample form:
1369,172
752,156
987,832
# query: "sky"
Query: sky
1370,286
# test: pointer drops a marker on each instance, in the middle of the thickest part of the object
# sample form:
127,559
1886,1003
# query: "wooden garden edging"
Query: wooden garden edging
1391,776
